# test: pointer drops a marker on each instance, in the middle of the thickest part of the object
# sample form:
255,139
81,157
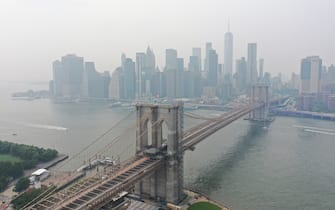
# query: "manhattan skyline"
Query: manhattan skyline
36,33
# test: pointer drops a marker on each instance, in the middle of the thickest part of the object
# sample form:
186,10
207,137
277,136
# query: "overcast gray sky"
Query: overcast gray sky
36,32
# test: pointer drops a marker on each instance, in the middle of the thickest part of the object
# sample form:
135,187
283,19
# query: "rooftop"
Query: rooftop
39,172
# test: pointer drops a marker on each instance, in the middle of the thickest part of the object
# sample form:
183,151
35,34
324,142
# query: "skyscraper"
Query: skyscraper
150,62
193,64
192,78
209,47
179,78
150,66
94,83
196,53
68,75
252,64
171,59
261,69
58,78
228,56
140,71
331,73
116,84
295,81
241,74
171,65
129,79
212,68
156,84
310,75
221,78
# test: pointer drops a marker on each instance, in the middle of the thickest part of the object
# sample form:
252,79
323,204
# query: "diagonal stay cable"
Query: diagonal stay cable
95,140
83,150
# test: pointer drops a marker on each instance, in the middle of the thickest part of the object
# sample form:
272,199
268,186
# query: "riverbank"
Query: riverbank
194,198
7,195
46,165
304,114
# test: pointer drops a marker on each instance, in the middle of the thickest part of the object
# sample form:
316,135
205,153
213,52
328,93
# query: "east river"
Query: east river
289,164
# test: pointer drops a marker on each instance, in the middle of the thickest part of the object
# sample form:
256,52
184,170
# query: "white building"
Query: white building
37,176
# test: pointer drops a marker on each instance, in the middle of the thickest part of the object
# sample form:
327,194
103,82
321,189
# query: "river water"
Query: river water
289,164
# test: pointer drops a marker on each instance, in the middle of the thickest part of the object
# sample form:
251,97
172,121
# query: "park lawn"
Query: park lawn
9,158
204,206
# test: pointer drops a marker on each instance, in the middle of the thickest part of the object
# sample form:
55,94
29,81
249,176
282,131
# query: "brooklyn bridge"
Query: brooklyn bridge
156,169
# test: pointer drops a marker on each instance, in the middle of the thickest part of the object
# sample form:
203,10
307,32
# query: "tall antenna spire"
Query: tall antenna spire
228,25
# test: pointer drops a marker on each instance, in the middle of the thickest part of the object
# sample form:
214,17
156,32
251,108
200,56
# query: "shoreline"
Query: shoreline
304,114
201,197
46,165
58,159
7,194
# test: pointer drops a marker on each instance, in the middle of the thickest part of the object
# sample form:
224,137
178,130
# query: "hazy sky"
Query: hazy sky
36,32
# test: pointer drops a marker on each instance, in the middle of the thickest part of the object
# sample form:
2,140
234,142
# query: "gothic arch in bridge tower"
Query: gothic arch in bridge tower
147,131
166,183
163,131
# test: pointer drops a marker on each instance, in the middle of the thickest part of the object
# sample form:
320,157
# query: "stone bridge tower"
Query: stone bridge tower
165,184
260,94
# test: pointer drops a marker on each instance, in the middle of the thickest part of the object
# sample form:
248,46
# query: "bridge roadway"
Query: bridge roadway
102,192
199,132
95,197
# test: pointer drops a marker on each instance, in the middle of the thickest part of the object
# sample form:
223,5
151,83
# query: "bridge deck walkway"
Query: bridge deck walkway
100,193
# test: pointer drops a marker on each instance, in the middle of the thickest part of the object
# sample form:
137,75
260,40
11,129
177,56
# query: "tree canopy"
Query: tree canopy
22,184
30,156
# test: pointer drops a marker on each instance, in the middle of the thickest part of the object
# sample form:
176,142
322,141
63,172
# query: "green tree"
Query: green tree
3,183
30,156
22,184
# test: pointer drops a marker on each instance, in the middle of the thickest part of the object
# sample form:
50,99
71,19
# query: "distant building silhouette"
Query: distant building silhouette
179,78
129,79
261,69
157,88
116,85
140,74
193,64
252,64
209,47
150,61
94,84
267,77
228,56
141,79
58,79
295,81
331,73
212,68
196,54
171,59
67,76
192,77
171,65
150,67
241,74
310,75
221,78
